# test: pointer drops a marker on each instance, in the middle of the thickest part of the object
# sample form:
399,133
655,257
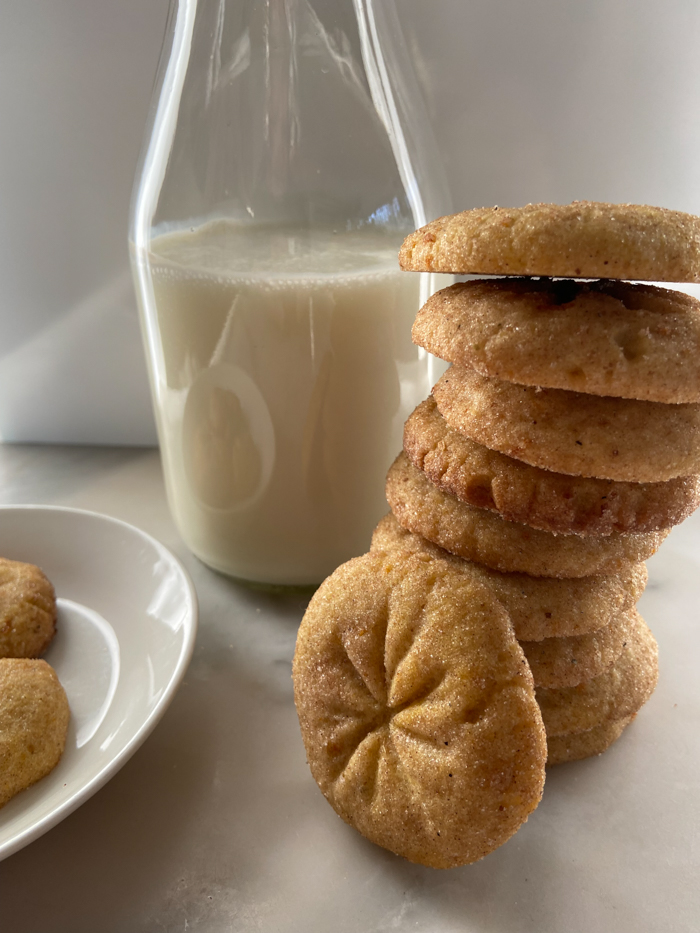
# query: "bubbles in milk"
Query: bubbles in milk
281,394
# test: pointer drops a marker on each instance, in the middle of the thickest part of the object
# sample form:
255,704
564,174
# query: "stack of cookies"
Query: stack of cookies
492,627
564,441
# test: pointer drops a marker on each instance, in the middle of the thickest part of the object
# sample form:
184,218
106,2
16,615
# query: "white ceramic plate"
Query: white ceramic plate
127,617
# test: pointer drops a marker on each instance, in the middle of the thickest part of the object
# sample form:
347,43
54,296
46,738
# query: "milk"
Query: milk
282,371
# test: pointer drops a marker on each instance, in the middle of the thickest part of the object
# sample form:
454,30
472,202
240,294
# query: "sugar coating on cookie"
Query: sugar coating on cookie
481,536
556,502
417,708
604,338
27,610
585,239
618,692
566,662
539,607
34,717
578,745
570,432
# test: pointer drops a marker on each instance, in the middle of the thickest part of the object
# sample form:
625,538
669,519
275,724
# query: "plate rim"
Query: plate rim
87,790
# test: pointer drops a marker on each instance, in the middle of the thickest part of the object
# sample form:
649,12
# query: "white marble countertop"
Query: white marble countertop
216,825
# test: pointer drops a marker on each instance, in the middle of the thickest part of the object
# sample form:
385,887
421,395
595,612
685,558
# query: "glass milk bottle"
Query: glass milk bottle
287,158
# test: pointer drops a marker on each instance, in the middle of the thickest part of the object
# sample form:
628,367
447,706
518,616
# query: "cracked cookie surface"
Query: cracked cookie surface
417,708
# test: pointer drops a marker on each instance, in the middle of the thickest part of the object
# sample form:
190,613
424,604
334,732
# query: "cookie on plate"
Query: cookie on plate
539,607
585,239
603,338
481,536
618,692
34,718
27,610
577,745
556,502
417,708
570,432
566,662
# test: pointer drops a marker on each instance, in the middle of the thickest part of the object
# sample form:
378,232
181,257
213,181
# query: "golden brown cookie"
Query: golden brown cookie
618,692
578,745
479,535
586,239
27,610
417,708
569,432
604,338
549,501
539,607
34,718
566,662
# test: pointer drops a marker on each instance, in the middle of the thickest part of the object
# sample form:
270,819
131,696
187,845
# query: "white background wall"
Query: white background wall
75,83
531,100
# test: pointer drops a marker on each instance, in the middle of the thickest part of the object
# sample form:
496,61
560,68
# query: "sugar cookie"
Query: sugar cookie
578,745
479,535
566,662
604,338
539,607
585,239
27,610
569,432
417,708
556,502
616,693
34,718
